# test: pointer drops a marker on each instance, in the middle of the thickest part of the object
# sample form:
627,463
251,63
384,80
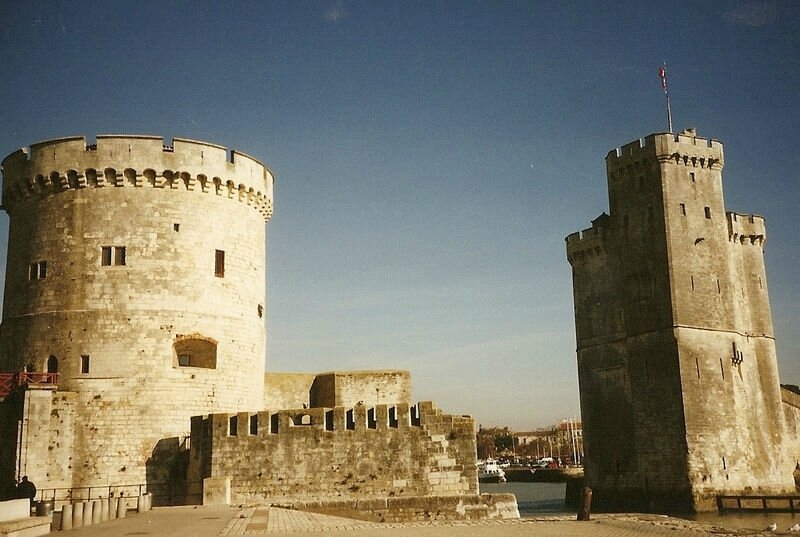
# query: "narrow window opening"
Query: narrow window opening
697,367
719,289
260,311
393,422
760,285
37,270
692,277
233,426
329,420
176,227
724,464
219,264
372,419
304,419
691,176
722,368
112,255
84,364
415,418
708,212
350,420
274,423
683,209
254,424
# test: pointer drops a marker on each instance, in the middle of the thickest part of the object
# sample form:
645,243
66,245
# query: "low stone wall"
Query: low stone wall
416,508
352,454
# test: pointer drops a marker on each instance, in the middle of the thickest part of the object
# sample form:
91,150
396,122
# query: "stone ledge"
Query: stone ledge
416,508
27,527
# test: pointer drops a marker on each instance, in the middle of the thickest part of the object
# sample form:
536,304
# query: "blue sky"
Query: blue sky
430,156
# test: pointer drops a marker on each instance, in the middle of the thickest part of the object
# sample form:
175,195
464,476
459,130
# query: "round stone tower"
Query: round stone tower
136,271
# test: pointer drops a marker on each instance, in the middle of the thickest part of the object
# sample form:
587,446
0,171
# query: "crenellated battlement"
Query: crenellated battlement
685,148
123,161
588,242
746,229
336,419
360,452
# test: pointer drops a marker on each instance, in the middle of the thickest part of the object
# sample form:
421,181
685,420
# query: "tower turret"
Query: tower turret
677,367
136,271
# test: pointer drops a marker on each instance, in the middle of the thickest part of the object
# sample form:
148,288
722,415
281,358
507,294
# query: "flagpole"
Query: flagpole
663,74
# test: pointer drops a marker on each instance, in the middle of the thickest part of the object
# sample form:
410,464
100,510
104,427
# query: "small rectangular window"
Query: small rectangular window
37,270
84,363
683,209
184,360
691,176
233,426
219,264
112,255
708,212
254,424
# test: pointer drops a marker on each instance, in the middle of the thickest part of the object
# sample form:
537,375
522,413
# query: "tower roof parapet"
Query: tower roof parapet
746,228
684,148
588,242
61,164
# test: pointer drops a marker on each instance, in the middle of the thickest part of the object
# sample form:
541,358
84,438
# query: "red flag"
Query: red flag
662,73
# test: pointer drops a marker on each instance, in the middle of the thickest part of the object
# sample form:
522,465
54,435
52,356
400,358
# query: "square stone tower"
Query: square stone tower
680,396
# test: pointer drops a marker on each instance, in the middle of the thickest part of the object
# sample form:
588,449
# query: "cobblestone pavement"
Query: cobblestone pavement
276,522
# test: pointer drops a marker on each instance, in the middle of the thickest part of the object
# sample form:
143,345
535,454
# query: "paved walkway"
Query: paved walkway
275,522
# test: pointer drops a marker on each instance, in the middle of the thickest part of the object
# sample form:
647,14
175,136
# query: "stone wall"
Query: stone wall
349,388
287,390
362,453
790,397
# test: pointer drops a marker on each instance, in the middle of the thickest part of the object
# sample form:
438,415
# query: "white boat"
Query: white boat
490,472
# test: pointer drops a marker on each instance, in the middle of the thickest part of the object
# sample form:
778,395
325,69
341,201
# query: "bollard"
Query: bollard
97,514
140,508
87,512
77,515
112,508
586,504
66,517
122,508
103,509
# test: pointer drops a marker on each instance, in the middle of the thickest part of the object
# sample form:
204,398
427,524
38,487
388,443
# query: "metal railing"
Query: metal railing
165,493
10,381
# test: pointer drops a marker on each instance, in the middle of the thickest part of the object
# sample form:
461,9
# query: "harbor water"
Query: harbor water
533,499
543,499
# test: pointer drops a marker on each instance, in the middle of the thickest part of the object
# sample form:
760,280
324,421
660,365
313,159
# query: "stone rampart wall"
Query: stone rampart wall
328,453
